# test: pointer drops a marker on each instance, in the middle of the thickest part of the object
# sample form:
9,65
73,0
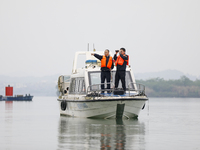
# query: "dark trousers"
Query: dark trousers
120,75
105,75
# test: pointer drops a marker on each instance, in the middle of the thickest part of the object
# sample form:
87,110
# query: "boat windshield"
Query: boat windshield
95,78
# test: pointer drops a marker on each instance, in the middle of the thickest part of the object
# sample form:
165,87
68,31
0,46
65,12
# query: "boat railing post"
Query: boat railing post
139,88
87,90
113,89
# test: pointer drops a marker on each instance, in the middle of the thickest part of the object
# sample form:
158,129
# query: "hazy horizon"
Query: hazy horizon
40,38
164,74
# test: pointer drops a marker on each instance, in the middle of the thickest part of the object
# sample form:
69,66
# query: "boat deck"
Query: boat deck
113,95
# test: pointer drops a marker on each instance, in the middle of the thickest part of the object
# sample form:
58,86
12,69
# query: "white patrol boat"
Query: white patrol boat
81,94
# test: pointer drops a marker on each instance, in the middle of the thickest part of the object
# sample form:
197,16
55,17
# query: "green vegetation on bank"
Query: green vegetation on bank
183,87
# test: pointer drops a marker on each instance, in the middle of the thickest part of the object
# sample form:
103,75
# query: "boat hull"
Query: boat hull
21,98
103,109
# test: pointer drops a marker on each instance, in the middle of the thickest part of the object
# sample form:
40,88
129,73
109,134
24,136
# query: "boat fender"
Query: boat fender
143,106
63,105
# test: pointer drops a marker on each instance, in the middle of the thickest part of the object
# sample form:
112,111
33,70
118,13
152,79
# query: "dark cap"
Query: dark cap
123,49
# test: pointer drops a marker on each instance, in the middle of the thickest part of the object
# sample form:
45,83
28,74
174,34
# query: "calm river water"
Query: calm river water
168,124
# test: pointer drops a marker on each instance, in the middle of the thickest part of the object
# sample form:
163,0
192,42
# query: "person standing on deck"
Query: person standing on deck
106,66
121,61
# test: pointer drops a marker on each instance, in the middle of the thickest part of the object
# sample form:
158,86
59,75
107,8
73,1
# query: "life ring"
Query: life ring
63,105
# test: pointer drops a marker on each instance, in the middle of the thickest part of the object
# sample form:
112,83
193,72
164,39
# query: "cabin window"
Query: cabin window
83,87
95,78
66,78
77,86
72,85
128,80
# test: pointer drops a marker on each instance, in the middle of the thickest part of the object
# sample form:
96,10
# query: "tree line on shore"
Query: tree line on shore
156,87
183,87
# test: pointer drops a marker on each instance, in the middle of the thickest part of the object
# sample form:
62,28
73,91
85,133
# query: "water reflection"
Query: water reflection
8,110
81,133
8,123
8,105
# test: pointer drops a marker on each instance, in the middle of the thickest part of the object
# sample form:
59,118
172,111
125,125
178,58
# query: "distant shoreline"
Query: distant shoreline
180,88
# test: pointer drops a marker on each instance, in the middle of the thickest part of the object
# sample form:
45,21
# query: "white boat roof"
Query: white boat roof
80,72
88,57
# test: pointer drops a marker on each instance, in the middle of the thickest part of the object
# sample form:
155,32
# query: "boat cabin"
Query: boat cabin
88,79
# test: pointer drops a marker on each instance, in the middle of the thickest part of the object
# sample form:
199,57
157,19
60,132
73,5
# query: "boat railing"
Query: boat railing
95,89
136,87
133,89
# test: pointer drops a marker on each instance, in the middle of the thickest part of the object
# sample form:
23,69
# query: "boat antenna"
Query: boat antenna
88,47
94,48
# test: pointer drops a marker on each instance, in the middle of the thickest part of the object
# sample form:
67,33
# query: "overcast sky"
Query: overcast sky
40,37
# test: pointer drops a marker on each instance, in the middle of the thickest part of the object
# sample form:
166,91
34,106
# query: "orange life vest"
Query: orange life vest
103,62
120,61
